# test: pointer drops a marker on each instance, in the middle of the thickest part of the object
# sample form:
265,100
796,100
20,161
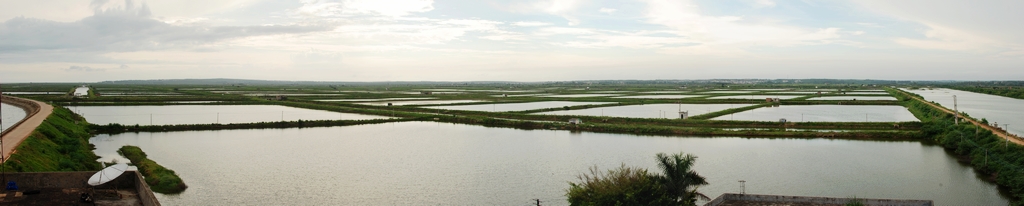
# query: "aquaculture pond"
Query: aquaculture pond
756,97
826,113
428,163
1003,110
34,93
373,100
423,102
206,114
504,107
659,96
581,95
728,92
670,111
11,115
82,91
853,98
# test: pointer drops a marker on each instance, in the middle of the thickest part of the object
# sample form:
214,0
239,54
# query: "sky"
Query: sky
526,40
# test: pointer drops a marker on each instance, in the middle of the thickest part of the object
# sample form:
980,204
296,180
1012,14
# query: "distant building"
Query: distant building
575,121
427,92
684,114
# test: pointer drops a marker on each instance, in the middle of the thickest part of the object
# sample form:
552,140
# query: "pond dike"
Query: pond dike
30,107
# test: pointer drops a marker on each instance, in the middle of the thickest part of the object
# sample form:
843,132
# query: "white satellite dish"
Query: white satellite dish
107,174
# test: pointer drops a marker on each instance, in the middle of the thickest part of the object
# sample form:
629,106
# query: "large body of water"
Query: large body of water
1003,110
11,115
206,114
670,111
428,163
826,113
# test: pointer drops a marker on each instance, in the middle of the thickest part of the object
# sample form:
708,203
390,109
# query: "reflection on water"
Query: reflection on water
826,113
428,163
11,115
1003,110
206,114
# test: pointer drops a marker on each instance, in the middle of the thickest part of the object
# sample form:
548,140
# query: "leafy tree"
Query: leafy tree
680,179
634,186
622,186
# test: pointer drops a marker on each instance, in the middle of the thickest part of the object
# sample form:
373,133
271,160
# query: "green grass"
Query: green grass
158,177
60,143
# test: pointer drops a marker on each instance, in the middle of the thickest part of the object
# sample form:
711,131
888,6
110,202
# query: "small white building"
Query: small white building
575,121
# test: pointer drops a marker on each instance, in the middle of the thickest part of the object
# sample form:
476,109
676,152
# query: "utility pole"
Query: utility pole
957,120
743,185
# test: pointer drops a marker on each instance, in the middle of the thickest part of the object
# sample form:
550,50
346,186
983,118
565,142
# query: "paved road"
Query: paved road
18,134
998,132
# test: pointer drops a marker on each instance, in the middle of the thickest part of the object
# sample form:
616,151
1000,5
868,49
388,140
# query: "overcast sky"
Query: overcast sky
528,40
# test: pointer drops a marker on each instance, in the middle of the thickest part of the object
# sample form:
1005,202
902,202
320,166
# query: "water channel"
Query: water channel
11,115
1003,110
428,163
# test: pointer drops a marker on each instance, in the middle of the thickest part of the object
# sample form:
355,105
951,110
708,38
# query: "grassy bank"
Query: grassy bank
60,143
158,177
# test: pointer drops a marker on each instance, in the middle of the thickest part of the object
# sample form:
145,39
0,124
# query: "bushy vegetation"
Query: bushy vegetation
60,143
159,178
636,186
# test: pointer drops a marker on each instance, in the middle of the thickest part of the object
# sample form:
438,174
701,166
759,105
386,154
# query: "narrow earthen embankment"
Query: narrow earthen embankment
35,111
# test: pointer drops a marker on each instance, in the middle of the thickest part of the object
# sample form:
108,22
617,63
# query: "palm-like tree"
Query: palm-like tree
680,179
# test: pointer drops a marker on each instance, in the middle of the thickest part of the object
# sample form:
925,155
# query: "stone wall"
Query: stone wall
31,108
814,200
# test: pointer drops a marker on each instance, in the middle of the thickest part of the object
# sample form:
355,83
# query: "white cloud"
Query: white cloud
562,8
764,3
607,10
391,8
685,19
530,23
988,28
943,38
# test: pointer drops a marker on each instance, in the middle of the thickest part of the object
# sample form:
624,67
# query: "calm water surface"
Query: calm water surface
649,110
660,96
826,113
514,106
11,115
1003,110
82,91
206,114
581,95
756,97
853,97
424,102
427,163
